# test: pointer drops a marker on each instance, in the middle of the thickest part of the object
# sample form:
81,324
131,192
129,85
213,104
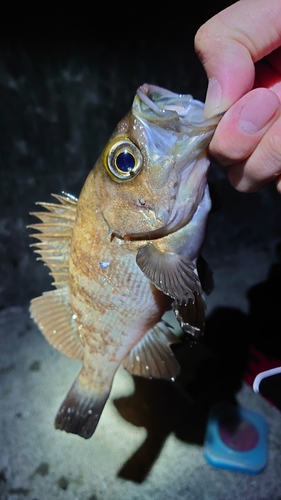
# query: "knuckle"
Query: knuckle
200,37
203,40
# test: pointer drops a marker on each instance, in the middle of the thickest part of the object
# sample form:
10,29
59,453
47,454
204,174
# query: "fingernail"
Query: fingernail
213,98
257,112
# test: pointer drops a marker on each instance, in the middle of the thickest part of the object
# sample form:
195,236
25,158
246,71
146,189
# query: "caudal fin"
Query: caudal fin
80,411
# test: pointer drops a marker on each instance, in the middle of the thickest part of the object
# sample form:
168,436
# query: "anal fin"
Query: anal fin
81,410
152,356
52,313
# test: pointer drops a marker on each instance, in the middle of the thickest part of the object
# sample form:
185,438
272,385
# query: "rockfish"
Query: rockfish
126,250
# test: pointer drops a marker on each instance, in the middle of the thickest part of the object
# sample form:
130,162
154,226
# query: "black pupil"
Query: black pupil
125,161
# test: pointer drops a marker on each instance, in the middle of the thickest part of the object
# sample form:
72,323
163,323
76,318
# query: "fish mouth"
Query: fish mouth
153,103
147,92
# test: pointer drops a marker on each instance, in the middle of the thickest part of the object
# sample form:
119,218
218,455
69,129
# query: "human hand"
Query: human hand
240,49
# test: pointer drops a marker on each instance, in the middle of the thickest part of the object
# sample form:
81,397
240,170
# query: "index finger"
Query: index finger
230,43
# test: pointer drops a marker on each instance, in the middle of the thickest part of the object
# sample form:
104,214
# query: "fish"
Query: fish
127,251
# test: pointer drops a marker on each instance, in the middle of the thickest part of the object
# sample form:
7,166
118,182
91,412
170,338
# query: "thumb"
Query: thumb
230,43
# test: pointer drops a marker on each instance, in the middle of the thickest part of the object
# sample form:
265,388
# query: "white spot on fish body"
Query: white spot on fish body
104,265
54,332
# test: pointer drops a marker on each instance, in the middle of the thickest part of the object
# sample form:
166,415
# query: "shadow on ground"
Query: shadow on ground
211,371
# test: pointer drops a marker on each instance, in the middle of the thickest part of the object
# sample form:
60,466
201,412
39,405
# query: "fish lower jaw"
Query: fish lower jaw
179,219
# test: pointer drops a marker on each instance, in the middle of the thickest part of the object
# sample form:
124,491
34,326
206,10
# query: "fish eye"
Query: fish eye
122,159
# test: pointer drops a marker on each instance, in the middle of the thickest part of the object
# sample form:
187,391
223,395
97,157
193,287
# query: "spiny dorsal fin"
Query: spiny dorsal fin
173,274
55,235
54,317
152,356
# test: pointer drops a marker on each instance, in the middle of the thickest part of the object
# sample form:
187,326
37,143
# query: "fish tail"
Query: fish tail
81,410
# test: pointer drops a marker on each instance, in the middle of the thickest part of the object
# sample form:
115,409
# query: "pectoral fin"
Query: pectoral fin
152,356
54,317
173,274
191,316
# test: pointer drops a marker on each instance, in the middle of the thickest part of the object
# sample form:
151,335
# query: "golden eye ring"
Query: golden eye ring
122,159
